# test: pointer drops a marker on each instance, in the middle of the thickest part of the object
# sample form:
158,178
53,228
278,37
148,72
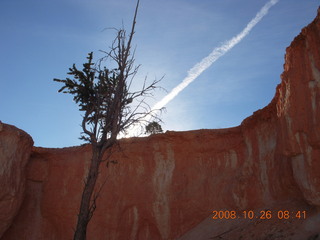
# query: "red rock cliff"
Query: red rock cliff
15,149
166,186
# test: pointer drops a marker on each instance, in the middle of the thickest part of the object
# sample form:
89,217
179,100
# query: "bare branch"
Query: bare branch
110,107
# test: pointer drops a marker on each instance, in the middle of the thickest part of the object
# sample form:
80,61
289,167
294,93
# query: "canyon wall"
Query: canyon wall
165,186
15,149
298,110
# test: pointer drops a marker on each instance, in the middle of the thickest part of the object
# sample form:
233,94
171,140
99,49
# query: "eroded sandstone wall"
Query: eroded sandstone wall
161,187
298,110
164,185
15,149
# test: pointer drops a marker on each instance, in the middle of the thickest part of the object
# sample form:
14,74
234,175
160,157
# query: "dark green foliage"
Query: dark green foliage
101,94
153,128
109,107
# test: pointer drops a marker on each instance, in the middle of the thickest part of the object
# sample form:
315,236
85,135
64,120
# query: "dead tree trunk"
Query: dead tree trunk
110,108
87,205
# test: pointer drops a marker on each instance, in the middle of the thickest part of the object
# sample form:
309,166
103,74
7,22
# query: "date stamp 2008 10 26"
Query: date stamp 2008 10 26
263,214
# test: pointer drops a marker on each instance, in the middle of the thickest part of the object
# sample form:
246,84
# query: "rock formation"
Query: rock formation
166,186
15,149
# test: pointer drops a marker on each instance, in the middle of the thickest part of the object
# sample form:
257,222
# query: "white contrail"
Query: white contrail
218,52
205,63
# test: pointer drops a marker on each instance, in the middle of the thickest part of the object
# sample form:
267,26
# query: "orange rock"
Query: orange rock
299,110
15,149
166,186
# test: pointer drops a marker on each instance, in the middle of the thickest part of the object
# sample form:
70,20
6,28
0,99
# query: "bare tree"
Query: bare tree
109,107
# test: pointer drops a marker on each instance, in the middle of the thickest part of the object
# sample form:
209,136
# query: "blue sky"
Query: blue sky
41,39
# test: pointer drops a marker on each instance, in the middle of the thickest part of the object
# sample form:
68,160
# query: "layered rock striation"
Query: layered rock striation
166,186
